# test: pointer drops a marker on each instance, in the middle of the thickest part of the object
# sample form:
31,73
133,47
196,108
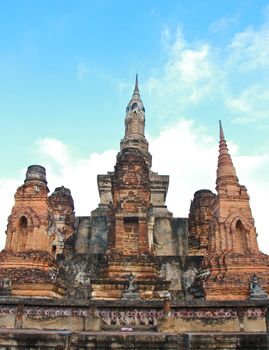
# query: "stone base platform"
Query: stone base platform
231,274
80,324
119,267
110,290
33,339
223,341
38,290
64,340
30,274
117,271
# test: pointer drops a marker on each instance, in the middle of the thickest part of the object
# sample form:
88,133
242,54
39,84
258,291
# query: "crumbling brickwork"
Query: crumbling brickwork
233,254
37,229
130,263
131,196
199,219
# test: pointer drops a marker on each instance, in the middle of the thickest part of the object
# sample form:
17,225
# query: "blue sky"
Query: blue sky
67,71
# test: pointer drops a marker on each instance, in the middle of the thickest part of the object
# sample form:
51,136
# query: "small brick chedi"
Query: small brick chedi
131,266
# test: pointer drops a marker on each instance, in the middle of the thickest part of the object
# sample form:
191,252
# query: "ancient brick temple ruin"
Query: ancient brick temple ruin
130,275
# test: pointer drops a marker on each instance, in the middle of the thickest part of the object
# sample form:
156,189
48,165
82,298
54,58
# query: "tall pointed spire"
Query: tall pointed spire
136,89
134,110
135,124
221,133
226,174
136,96
136,93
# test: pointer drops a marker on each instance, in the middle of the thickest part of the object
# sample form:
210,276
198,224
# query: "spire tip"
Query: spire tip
221,133
136,83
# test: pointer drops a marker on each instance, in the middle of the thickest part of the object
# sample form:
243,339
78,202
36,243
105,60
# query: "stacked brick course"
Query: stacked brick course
131,264
33,235
233,255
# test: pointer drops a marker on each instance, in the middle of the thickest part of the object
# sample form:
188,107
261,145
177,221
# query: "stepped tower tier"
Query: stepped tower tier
31,215
199,220
233,253
232,209
135,125
131,201
64,217
227,181
36,227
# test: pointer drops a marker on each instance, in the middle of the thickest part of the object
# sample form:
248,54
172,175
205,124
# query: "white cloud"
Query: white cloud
249,49
189,156
251,105
166,36
82,70
184,151
224,23
234,78
54,149
189,76
79,175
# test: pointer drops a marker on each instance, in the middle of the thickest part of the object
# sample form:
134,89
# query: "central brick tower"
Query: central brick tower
131,185
130,194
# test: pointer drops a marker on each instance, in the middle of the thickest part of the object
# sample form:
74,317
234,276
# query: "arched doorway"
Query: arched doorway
240,239
22,236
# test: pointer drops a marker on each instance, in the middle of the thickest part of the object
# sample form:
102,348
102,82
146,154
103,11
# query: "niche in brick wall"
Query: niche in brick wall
130,239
